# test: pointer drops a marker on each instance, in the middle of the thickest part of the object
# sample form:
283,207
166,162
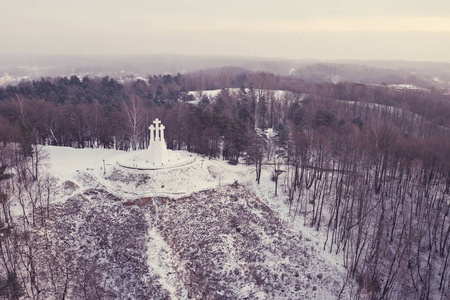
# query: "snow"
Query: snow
66,162
78,171
407,87
265,192
209,93
160,259
212,94
142,161
81,165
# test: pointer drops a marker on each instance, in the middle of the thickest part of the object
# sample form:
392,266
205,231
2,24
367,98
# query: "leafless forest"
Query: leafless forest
367,164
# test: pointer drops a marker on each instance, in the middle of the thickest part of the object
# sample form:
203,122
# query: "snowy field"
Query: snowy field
212,94
205,230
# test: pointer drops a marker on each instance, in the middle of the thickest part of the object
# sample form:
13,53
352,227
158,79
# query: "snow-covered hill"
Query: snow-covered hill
203,231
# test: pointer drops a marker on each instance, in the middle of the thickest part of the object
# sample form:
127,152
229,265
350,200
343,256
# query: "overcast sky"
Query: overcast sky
322,29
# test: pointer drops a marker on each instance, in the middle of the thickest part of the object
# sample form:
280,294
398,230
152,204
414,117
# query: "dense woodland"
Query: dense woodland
369,165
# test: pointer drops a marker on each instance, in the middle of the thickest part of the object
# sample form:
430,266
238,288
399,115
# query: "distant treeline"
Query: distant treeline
101,112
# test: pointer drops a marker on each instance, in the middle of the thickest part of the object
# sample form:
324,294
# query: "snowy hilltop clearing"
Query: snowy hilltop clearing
212,94
202,231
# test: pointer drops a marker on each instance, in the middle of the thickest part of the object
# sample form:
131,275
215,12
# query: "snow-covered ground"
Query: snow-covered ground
407,87
211,94
211,230
77,165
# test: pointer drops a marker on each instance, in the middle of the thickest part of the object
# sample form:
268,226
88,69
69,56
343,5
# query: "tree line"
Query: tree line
368,165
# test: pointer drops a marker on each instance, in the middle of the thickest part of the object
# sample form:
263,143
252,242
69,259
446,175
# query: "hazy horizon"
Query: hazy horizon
323,30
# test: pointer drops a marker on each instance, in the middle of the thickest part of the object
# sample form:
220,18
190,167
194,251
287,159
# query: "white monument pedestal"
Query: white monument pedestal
156,156
157,149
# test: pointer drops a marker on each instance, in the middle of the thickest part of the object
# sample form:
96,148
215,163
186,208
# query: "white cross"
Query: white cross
157,122
152,131
162,132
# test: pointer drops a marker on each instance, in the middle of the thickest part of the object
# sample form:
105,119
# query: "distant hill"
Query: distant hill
13,68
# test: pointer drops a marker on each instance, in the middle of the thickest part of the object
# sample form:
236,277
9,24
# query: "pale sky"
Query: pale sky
295,29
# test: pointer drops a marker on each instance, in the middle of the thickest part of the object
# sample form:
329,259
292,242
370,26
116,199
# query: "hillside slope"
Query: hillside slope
135,238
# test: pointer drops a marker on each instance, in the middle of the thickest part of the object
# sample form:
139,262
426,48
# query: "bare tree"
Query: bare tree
134,117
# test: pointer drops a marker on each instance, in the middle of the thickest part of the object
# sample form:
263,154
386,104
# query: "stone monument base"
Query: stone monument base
139,160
